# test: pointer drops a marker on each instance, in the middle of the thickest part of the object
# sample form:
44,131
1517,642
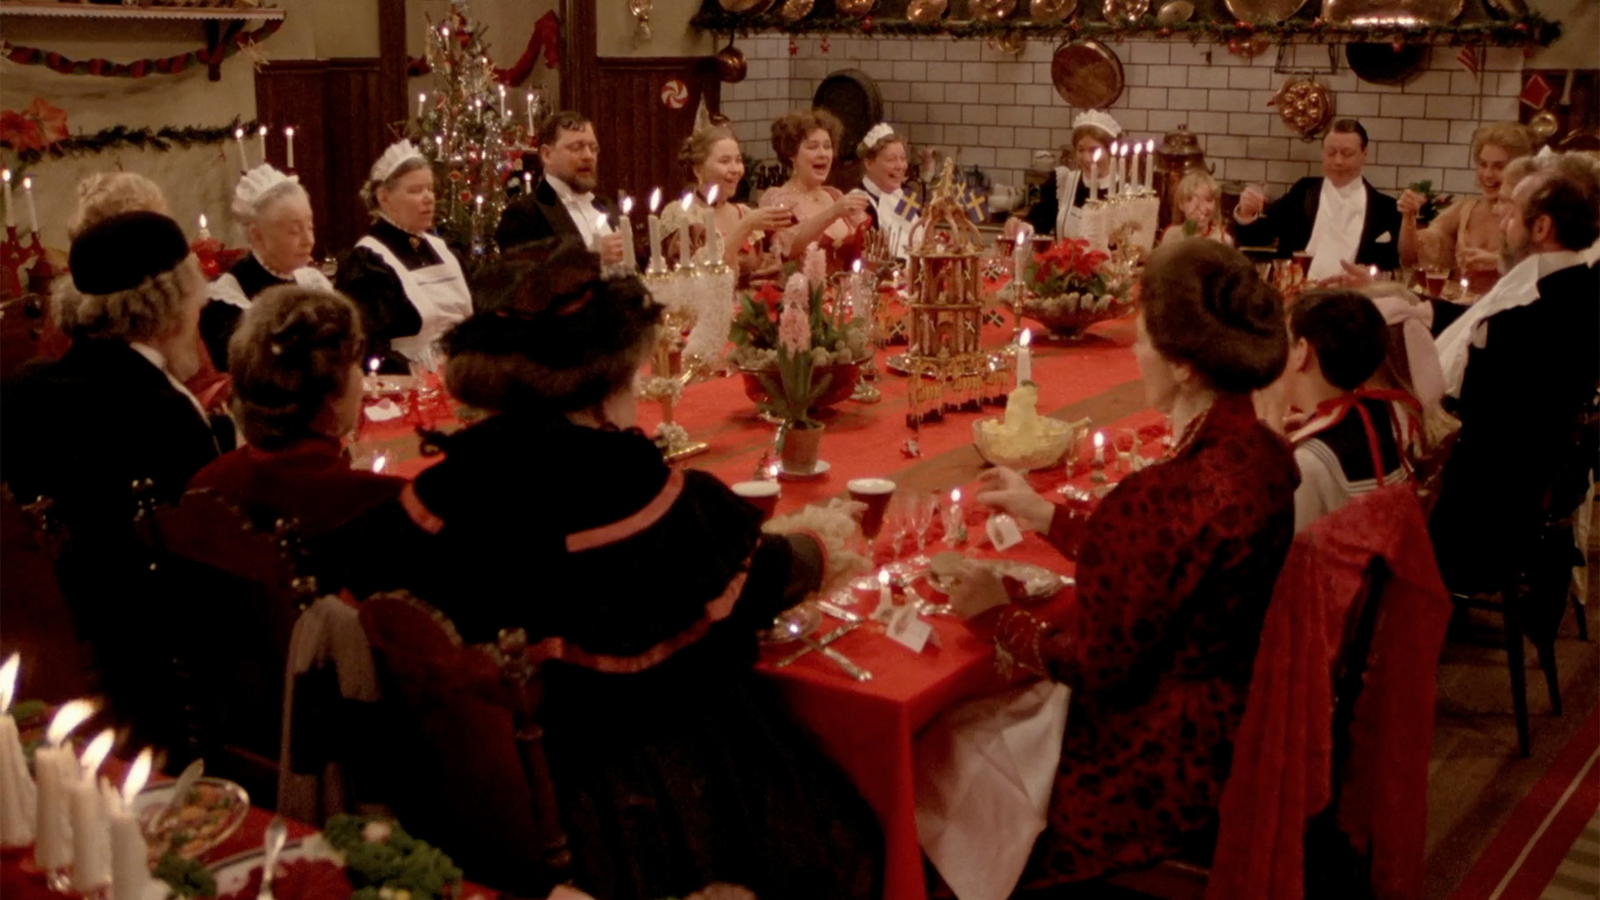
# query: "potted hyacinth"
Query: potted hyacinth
838,342
792,391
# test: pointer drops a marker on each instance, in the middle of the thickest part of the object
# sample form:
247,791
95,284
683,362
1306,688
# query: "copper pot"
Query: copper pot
731,64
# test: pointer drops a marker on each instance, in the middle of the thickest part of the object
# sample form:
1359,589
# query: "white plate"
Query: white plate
233,873
155,797
1038,582
821,470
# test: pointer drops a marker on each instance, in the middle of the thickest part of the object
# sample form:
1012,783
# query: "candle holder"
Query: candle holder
864,304
676,291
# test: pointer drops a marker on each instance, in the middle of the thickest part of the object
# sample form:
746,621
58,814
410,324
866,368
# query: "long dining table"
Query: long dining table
868,727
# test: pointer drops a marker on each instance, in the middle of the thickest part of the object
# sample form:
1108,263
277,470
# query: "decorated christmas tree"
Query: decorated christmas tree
466,130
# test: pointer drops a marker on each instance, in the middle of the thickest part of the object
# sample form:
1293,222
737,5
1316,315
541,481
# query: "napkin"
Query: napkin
384,410
984,771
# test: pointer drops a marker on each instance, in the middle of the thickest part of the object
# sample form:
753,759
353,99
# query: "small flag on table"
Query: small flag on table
976,204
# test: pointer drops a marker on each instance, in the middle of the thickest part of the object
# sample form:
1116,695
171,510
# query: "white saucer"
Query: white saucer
821,470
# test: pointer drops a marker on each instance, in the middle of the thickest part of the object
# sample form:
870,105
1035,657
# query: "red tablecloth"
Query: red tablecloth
867,727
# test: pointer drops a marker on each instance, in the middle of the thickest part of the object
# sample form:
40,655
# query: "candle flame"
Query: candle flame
96,753
883,577
1099,439
955,495
1027,337
1097,154
688,198
288,131
1150,146
238,134
627,204
138,774
381,463
479,200
71,714
262,131
372,365
202,221
502,90
856,267
711,196
655,199
8,680
27,183
5,175
1373,271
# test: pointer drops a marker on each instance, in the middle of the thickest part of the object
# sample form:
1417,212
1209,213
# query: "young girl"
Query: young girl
1197,205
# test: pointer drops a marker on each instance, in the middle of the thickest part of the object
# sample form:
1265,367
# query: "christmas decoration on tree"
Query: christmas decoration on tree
468,132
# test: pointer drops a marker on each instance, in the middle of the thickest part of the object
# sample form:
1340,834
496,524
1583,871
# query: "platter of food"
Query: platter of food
209,813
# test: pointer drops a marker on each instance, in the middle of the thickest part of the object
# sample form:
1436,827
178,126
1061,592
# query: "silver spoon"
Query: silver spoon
277,834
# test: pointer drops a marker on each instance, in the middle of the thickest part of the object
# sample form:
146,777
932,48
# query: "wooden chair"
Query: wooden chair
473,779
38,624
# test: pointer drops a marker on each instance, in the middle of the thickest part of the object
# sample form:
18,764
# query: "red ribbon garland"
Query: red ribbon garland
171,65
545,41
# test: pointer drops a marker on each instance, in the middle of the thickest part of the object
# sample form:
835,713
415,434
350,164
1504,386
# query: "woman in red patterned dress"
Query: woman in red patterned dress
1175,570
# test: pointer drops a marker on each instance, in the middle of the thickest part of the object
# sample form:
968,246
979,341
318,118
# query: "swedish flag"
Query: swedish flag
975,203
908,207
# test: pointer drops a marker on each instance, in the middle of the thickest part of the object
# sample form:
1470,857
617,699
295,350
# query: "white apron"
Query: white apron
227,289
439,293
895,226
1069,218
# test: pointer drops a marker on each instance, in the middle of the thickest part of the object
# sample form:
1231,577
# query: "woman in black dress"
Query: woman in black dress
645,587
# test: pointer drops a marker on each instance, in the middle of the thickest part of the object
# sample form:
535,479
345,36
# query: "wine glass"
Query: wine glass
923,510
898,520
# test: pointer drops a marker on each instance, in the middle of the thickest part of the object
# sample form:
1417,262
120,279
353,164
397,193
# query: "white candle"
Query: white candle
630,256
33,212
954,529
129,855
1133,166
885,596
713,239
1122,168
1115,184
657,261
1099,448
502,103
1019,254
1150,165
244,163
288,144
1024,357
261,140
422,104
91,832
683,230
530,114
18,796
57,771
204,232
11,219
1094,176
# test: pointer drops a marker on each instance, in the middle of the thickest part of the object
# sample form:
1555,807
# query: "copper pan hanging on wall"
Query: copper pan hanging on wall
1264,12
1087,74
1051,10
1392,12
745,7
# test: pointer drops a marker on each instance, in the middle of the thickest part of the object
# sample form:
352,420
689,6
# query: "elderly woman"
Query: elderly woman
805,143
102,195
276,213
1466,236
713,159
407,283
1175,570
296,361
884,165
111,419
1060,211
694,773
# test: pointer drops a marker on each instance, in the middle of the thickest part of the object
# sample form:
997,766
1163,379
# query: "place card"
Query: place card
909,629
1003,531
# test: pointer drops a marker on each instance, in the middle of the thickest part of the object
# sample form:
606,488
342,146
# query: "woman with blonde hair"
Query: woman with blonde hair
102,195
1197,202
806,145
1466,236
715,162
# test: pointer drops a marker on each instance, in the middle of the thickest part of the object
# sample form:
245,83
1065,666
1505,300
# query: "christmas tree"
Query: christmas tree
465,129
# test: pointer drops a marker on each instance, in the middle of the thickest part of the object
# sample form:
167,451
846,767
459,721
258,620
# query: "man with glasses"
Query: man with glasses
564,203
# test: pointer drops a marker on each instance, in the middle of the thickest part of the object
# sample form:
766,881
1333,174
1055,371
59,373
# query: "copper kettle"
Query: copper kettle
1178,155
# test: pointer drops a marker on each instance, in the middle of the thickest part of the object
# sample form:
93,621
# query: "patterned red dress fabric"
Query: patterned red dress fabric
1175,572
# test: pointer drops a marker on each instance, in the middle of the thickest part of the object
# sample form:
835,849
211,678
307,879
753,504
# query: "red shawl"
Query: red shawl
1282,769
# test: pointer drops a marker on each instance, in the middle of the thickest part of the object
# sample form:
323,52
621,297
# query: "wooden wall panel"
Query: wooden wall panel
639,134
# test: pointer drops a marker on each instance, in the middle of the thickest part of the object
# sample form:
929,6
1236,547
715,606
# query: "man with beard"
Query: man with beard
109,424
564,203
1521,363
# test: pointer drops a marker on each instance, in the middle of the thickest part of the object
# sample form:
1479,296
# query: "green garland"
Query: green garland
121,136
1530,29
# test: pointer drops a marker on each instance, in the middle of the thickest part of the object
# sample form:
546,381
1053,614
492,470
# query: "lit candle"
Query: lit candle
658,263
1025,358
422,103
885,595
129,856
244,164
502,103
1122,168
91,832
1099,448
630,256
261,141
1133,169
205,233
11,219
1019,254
683,230
1094,176
713,242
57,771
527,182
1150,164
955,526
373,364
530,114
33,211
288,143
18,796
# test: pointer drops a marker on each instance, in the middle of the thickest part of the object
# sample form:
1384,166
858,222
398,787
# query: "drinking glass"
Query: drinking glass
922,515
898,521
876,494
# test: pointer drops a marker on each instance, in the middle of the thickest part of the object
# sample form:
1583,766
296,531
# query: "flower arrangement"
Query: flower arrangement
832,337
1433,202
1068,266
1071,286
791,395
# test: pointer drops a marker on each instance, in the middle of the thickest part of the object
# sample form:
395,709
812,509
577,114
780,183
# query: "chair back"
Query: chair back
471,777
39,625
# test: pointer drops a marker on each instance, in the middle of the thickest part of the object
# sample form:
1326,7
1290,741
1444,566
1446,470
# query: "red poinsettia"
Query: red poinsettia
35,128
1068,265
770,295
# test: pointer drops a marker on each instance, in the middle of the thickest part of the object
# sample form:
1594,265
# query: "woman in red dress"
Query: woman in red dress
1175,570
806,144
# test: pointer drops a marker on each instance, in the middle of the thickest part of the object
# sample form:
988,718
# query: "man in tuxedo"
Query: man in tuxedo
564,204
1532,363
1336,218
110,426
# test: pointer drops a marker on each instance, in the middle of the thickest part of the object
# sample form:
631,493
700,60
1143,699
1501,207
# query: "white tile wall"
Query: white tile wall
994,110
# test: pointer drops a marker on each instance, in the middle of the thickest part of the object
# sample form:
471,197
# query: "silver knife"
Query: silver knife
823,641
180,790
840,660
838,612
